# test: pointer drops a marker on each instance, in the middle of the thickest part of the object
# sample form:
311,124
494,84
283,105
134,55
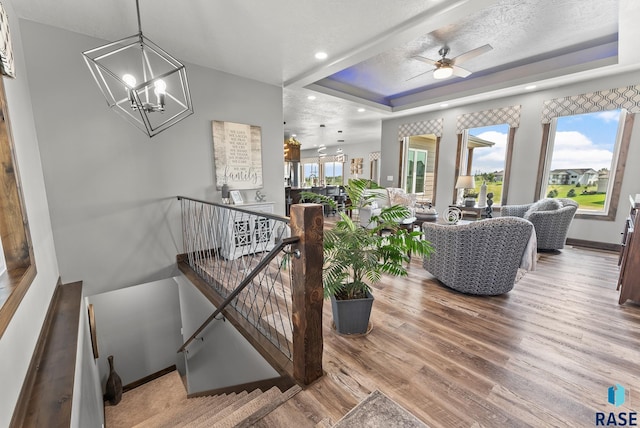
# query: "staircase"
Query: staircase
163,403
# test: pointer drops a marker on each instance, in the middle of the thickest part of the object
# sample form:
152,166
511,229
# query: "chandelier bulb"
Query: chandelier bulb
160,86
129,80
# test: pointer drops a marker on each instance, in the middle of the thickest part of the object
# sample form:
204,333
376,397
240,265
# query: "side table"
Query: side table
475,211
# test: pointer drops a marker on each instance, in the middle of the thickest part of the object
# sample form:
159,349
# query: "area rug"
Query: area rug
378,410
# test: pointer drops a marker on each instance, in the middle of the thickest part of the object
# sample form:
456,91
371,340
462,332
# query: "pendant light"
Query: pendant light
141,82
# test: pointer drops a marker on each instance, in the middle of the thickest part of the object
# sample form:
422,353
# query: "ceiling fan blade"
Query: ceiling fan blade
418,75
471,54
460,72
427,60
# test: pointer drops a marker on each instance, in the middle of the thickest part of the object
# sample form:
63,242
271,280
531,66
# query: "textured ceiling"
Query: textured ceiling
370,44
520,32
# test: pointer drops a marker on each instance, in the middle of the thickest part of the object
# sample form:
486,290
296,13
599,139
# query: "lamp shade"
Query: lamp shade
465,182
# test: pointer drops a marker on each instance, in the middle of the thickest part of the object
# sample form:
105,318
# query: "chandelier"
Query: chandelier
141,82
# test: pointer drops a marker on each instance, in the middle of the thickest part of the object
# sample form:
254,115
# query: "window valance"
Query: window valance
433,126
627,97
509,115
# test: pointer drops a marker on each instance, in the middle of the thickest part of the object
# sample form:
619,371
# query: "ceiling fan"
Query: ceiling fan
447,67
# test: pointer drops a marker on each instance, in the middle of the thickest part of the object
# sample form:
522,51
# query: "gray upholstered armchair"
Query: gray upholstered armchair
551,218
481,257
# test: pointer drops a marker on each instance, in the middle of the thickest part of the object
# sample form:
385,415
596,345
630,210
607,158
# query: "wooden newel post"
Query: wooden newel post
307,222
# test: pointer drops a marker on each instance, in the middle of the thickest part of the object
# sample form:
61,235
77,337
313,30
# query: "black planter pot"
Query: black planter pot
352,316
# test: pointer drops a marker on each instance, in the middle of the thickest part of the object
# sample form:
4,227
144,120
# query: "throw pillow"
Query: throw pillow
547,204
397,196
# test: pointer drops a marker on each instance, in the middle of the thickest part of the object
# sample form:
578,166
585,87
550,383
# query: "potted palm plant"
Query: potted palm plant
356,256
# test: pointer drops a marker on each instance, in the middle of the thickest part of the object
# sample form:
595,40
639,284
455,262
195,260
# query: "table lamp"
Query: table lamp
464,183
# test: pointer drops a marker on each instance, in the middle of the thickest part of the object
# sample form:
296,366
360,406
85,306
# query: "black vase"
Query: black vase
113,390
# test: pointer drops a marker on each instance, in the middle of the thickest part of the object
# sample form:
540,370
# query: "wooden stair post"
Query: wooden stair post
307,222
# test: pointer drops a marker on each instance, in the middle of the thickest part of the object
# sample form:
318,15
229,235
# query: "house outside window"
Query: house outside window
582,155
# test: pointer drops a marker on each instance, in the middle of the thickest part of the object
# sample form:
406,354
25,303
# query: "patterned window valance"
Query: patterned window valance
509,115
433,126
627,97
374,156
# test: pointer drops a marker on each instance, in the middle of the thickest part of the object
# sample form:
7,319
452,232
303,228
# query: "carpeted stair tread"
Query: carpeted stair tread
168,391
267,409
248,409
207,419
207,405
195,419
159,419
325,423
168,417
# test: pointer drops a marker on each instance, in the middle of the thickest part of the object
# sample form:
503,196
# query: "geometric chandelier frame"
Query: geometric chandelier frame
141,82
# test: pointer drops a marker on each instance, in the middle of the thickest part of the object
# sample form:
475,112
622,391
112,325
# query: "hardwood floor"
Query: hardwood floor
542,355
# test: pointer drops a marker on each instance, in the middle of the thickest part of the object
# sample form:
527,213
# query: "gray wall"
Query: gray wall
111,189
224,358
18,341
526,152
140,327
88,405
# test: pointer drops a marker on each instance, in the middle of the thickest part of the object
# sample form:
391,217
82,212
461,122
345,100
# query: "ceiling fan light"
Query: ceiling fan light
443,72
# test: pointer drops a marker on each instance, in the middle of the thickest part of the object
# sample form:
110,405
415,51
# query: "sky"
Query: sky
581,141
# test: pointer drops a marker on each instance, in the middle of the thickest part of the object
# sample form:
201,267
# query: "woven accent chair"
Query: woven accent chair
481,257
551,226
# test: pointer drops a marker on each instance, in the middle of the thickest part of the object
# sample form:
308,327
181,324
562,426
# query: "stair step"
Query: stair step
165,405
168,392
206,420
270,407
325,423
192,407
160,419
210,406
248,409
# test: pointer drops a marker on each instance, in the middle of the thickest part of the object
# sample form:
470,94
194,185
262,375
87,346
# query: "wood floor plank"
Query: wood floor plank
544,354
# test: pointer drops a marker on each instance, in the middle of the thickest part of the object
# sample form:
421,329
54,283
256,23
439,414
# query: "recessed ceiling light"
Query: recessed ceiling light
530,87
444,105
361,110
294,135
311,97
321,55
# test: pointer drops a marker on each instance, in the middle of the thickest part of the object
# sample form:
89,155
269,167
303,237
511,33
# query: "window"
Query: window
486,159
14,230
416,170
333,173
582,158
311,174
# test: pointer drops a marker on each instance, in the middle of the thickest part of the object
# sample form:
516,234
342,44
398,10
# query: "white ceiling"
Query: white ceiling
370,44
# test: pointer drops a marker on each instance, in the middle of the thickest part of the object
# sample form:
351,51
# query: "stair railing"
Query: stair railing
245,282
278,292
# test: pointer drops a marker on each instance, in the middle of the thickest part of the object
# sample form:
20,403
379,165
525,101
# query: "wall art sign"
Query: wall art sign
237,150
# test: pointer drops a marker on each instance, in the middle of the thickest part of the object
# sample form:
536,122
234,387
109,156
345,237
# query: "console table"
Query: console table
246,233
629,260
